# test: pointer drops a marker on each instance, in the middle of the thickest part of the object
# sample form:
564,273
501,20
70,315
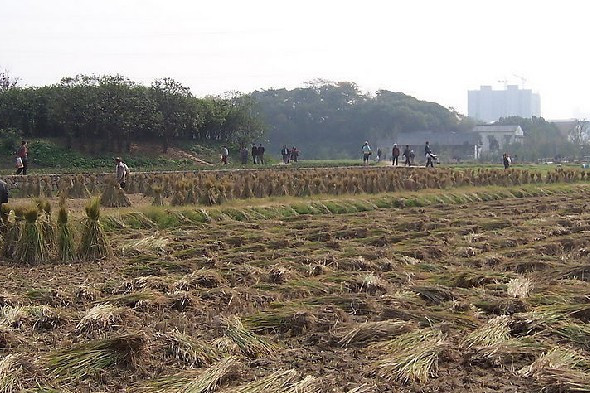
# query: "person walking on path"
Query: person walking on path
122,172
224,155
394,155
407,155
285,153
294,154
261,154
506,160
366,153
244,155
23,154
379,153
254,154
429,156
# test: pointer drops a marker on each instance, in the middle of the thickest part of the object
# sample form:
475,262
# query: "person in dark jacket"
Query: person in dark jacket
261,154
3,195
394,155
254,154
407,155
285,153
427,148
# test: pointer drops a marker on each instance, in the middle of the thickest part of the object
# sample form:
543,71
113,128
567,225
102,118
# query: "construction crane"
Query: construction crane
504,82
522,80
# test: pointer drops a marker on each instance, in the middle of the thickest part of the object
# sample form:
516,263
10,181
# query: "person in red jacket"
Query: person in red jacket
23,154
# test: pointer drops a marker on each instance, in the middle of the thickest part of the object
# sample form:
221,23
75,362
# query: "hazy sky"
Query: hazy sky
432,49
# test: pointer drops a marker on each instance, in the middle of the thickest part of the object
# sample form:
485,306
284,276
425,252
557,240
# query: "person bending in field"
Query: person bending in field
122,172
366,152
394,155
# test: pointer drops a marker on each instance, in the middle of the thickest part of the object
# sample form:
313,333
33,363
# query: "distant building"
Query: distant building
463,145
452,145
493,138
487,104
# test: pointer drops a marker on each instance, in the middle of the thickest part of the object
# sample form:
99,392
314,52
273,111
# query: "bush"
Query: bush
10,139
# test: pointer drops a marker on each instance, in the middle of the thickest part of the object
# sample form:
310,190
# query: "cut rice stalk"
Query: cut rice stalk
364,388
32,248
94,244
13,317
191,351
277,382
101,318
209,380
249,343
556,358
495,331
412,357
92,358
148,243
65,238
375,331
519,287
11,374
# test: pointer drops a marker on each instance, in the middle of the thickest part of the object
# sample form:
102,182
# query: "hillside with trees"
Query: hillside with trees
332,120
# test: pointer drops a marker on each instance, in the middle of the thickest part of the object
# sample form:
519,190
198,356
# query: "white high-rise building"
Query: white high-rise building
487,104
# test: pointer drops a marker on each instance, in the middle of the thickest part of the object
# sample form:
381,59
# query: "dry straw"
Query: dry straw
65,238
31,248
94,243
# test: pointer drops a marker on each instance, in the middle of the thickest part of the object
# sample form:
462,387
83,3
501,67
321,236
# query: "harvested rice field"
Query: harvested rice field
466,290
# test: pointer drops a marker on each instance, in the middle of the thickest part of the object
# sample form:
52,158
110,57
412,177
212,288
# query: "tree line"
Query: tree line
332,120
543,140
109,112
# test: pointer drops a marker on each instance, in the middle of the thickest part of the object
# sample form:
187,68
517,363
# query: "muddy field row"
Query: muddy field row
480,296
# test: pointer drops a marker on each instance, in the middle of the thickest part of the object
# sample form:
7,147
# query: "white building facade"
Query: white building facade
494,138
487,104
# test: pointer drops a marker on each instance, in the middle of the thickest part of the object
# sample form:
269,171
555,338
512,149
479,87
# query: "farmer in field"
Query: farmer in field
23,154
122,172
506,160
224,155
394,155
261,154
366,152
407,155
